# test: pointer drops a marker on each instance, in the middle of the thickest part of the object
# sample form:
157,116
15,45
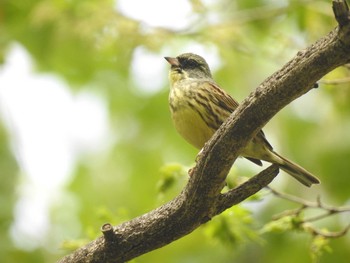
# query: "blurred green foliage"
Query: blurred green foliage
90,44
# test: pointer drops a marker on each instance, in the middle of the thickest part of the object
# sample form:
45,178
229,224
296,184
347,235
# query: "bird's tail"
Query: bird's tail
298,172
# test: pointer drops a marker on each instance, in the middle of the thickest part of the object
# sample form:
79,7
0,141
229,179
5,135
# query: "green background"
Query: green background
90,45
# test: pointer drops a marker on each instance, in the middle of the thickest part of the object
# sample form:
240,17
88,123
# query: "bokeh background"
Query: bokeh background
86,136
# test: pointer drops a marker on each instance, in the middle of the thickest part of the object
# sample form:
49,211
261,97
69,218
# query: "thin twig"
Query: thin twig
335,81
309,204
337,234
305,223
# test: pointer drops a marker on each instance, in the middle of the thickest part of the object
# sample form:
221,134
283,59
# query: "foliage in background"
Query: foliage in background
91,45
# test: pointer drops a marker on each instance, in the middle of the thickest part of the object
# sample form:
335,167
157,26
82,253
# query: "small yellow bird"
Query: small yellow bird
199,106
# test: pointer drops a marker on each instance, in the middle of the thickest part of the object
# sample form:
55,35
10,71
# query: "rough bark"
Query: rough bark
202,199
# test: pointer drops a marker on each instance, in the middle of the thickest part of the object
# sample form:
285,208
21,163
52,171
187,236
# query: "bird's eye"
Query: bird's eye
190,63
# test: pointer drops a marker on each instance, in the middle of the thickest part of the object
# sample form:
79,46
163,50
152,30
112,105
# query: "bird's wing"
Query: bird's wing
230,104
224,99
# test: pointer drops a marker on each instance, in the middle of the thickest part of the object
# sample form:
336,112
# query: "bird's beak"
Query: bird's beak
174,62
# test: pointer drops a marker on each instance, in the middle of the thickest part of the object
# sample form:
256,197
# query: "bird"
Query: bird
198,107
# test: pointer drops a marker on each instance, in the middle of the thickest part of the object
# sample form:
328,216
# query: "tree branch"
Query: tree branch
305,223
335,81
201,199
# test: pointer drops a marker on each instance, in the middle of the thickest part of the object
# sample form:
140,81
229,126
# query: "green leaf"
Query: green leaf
170,174
319,245
234,226
283,224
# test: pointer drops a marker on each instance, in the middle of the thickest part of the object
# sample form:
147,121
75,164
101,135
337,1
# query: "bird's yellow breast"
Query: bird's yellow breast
188,121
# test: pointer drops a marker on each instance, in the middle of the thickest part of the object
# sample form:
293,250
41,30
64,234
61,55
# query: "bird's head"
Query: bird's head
188,65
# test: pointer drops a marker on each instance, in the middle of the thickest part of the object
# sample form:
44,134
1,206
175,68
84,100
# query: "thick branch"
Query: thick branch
201,199
252,186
